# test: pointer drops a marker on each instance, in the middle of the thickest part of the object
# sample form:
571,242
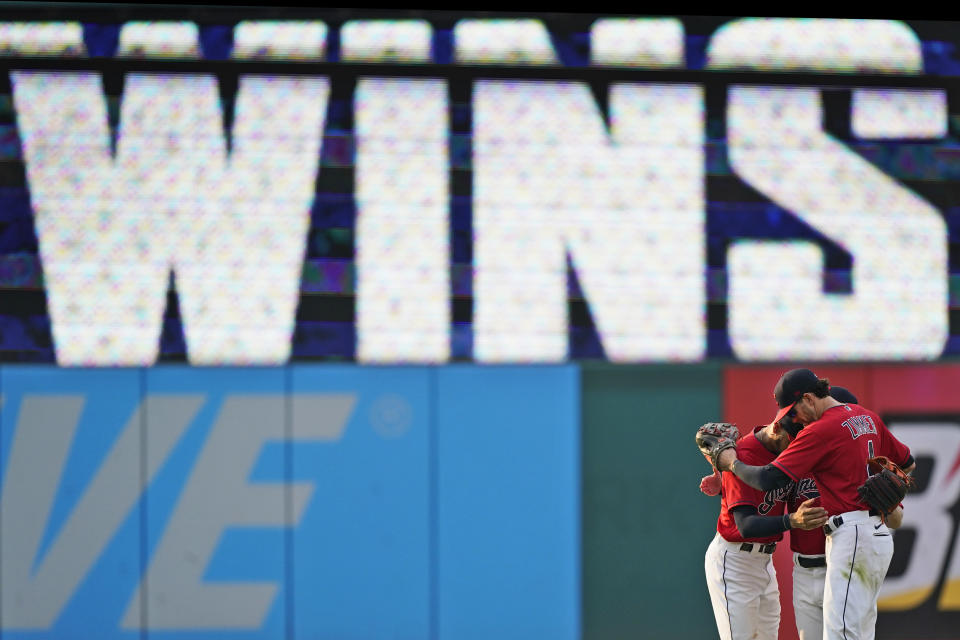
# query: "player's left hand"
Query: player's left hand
714,438
885,488
725,459
710,485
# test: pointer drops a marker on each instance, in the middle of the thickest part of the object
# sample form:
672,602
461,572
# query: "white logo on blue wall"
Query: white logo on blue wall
218,495
391,415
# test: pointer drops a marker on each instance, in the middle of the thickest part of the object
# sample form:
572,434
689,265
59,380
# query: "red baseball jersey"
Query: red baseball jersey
809,542
835,448
734,492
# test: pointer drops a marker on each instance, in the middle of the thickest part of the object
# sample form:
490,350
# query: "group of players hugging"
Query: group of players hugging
828,471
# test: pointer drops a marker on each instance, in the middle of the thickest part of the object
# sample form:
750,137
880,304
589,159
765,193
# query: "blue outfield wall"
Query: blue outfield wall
327,501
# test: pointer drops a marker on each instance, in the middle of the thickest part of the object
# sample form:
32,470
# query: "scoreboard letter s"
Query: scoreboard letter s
777,308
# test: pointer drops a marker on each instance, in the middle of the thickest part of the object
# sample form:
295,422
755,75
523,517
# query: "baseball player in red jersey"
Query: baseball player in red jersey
834,447
809,567
808,545
739,571
809,561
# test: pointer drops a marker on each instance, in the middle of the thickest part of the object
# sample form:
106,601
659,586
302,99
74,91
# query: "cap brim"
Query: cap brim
784,411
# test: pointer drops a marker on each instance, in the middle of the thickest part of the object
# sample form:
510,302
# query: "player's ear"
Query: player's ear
780,431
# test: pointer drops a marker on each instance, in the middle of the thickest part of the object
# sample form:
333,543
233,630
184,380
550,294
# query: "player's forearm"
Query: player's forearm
762,478
753,525
895,519
909,464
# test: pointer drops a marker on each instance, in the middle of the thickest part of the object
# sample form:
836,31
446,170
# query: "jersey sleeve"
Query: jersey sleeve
739,494
801,455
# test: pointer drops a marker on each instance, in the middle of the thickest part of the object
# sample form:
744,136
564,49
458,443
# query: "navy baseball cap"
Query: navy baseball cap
842,394
791,386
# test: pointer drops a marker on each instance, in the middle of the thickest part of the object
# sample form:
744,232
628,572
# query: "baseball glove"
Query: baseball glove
886,485
714,437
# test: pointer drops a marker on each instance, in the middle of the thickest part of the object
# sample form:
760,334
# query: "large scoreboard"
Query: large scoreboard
232,186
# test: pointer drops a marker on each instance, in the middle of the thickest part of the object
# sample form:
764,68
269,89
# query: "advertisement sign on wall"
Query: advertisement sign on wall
330,501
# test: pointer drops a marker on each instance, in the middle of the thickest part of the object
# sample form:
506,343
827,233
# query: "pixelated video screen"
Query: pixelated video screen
254,186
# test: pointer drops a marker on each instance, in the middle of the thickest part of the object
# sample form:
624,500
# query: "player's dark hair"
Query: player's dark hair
823,388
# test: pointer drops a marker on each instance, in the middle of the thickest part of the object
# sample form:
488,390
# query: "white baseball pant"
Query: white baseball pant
808,586
859,550
743,591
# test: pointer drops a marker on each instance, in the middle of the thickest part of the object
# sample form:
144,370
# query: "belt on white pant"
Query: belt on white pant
810,562
850,517
749,547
